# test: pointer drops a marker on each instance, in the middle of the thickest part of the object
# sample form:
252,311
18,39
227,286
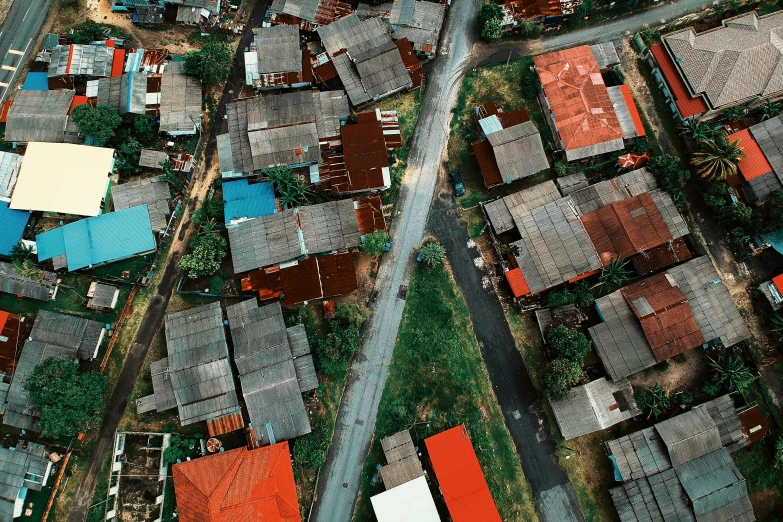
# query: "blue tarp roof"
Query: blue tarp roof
245,200
36,81
101,239
12,223
775,239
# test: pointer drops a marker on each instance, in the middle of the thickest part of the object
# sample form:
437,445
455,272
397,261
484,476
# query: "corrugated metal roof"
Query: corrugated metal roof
12,224
102,239
151,192
36,81
245,200
38,116
755,163
12,282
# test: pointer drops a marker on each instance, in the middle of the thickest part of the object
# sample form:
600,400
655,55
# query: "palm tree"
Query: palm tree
21,252
734,113
614,274
718,158
292,191
732,372
699,130
770,110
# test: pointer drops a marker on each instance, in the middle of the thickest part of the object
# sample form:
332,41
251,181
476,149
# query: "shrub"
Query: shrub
561,375
216,284
584,294
568,344
686,399
655,401
207,252
432,254
731,373
560,297
711,389
180,448
375,243
561,169
667,171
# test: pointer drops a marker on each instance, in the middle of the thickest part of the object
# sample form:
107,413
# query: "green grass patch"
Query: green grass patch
437,379
502,84
97,511
764,482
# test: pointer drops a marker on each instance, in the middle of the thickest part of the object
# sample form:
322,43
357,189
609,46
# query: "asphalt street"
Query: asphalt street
18,33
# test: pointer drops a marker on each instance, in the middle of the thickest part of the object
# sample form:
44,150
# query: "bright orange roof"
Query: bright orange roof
118,62
778,282
77,100
633,110
517,282
238,485
3,319
755,163
460,477
578,98
687,105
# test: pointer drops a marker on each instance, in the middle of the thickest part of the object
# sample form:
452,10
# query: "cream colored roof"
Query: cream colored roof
63,178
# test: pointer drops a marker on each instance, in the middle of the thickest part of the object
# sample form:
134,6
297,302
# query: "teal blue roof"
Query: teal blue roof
12,223
245,200
99,240
775,239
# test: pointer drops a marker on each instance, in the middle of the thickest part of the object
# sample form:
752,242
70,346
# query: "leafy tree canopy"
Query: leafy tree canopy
180,448
561,375
490,17
68,400
291,190
568,344
98,122
207,252
212,62
654,401
667,171
375,243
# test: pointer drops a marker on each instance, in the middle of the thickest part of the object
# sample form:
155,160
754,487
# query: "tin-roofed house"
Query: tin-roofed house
23,468
91,61
244,200
43,288
196,376
420,22
309,15
180,101
152,192
126,93
773,291
275,59
53,335
761,170
98,240
40,116
588,119
663,316
12,225
101,296
283,129
10,164
682,466
275,367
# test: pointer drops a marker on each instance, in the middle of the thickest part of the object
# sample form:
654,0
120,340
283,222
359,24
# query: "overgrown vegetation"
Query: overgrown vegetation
290,189
568,348
212,62
98,123
490,17
653,401
580,293
208,247
180,448
334,351
89,31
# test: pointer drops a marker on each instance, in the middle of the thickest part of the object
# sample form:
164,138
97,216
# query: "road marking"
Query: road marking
11,80
27,12
14,51
8,68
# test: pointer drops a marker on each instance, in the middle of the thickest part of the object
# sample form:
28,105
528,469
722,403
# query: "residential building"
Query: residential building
239,484
54,335
515,11
588,118
682,467
212,7
43,288
98,240
761,170
363,165
309,15
275,368
665,315
63,178
282,129
459,476
773,291
708,72
510,147
573,237
408,502
180,101
148,15
126,93
12,225
402,460
91,61
420,22
152,159
102,297
23,468
40,116
152,192
276,60
594,406
10,164
370,65
245,200
196,376
13,331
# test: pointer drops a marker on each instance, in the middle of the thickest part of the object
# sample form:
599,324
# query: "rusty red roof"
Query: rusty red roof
236,485
578,99
755,163
527,9
626,228
11,333
369,212
687,105
362,162
488,164
754,424
661,256
225,424
410,60
665,316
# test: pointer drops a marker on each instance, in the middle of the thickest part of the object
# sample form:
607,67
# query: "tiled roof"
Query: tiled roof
460,478
581,108
236,485
754,164
687,105
736,62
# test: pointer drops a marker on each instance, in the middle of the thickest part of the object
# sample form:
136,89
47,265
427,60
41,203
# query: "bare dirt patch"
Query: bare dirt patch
683,373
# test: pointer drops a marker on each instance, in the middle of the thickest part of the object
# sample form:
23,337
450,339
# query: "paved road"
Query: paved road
339,480
17,35
155,313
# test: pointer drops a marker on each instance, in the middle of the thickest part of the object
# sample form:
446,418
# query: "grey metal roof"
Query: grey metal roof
210,5
9,168
594,406
501,212
38,116
610,191
294,145
769,135
554,246
188,14
278,49
619,339
640,454
723,412
729,64
152,158
373,74
68,331
267,370
198,364
689,435
353,35
419,21
519,151
19,469
403,464
133,93
572,183
161,383
265,241
713,482
329,226
623,112
764,185
710,301
302,9
151,192
81,59
365,11
103,296
331,108
149,14
12,282
225,154
595,150
669,213
605,54
402,12
180,100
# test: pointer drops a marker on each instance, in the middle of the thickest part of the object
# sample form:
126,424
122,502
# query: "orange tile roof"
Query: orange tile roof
633,110
460,478
755,163
238,485
778,282
578,98
687,105
517,282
